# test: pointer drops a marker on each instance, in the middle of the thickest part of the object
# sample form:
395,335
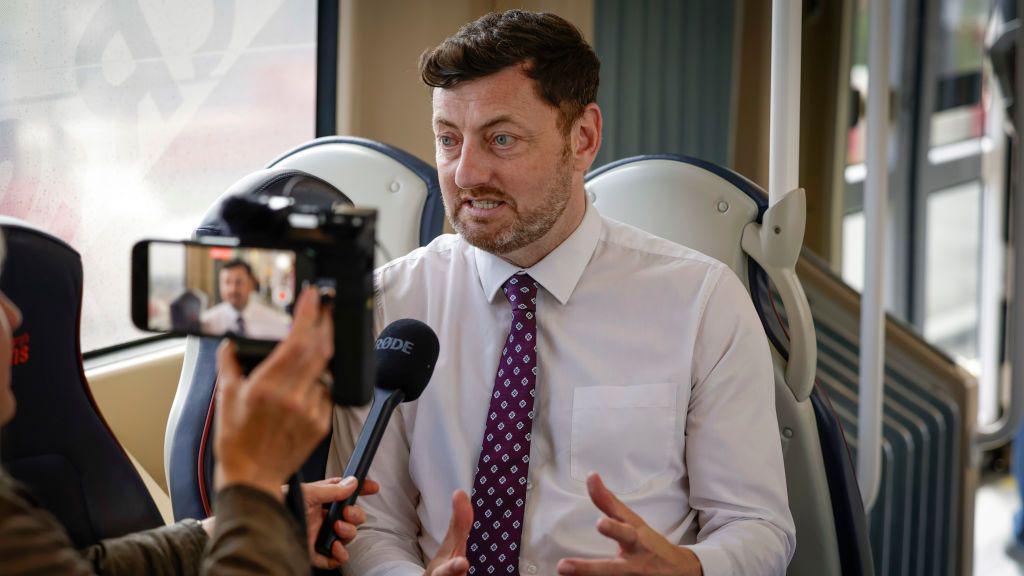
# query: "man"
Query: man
267,424
240,312
590,373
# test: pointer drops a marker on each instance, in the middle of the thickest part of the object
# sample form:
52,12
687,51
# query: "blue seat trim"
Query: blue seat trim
183,469
847,508
432,219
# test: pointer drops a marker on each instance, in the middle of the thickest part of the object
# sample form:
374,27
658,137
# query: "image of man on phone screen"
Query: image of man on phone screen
240,310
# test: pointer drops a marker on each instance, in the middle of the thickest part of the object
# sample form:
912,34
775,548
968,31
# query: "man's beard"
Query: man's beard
527,226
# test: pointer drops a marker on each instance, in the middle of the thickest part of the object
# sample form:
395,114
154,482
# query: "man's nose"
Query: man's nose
473,170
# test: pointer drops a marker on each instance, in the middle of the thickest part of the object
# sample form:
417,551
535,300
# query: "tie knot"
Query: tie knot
521,291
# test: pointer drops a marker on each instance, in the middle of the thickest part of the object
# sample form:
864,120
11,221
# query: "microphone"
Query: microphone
406,352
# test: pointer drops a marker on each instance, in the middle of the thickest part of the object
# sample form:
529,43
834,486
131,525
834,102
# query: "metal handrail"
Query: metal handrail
872,311
784,125
1001,430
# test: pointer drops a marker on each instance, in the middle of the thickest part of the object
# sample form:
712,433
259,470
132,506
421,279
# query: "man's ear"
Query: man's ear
586,137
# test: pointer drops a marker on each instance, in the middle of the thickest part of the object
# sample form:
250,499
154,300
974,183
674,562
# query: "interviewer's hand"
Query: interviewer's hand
641,549
316,494
451,556
267,424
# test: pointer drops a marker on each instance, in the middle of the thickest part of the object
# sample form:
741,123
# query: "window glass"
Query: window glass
121,120
853,250
959,112
953,267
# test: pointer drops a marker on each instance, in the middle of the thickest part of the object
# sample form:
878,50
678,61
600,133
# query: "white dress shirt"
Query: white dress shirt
654,371
261,321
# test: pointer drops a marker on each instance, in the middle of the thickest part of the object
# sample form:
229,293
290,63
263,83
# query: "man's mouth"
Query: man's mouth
485,204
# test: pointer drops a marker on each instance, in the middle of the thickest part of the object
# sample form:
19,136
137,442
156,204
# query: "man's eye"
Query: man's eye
446,140
503,140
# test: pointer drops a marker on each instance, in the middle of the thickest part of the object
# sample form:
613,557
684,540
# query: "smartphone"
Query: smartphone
216,290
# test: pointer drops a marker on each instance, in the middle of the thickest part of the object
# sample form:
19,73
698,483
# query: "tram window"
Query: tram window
959,113
123,120
853,250
953,267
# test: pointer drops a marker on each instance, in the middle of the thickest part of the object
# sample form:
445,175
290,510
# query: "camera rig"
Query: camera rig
334,246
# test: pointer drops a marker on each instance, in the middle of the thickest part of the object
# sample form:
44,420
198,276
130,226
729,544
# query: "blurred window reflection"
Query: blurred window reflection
121,120
959,112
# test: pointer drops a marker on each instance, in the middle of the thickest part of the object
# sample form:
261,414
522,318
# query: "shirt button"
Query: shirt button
531,569
529,486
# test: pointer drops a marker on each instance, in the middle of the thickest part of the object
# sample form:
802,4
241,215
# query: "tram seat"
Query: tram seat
406,193
724,215
58,443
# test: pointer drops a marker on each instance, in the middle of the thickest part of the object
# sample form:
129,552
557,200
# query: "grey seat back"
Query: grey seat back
723,215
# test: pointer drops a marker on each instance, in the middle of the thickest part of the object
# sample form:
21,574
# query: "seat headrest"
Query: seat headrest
304,188
686,200
404,189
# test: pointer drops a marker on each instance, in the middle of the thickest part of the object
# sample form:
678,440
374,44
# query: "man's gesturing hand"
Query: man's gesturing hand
269,422
641,549
451,556
316,494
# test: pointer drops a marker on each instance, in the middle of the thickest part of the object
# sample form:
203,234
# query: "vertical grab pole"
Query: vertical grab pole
784,130
872,311
1002,430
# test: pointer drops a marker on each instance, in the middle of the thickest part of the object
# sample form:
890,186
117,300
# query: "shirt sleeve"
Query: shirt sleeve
386,544
733,449
254,534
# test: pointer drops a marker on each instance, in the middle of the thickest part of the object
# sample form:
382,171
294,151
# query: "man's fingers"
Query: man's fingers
605,567
370,487
307,310
462,521
353,515
457,566
345,531
621,532
458,526
609,503
230,369
323,562
325,492
339,553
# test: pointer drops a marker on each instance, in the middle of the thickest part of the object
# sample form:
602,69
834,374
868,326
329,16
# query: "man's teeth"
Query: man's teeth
485,204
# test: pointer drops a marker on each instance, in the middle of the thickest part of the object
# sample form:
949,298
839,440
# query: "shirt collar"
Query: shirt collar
558,272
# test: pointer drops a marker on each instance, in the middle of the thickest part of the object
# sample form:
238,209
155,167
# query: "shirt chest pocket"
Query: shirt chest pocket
624,433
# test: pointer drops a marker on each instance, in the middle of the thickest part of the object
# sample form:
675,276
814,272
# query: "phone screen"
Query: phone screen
218,290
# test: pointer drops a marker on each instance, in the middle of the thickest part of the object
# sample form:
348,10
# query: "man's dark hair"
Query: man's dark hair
239,263
553,51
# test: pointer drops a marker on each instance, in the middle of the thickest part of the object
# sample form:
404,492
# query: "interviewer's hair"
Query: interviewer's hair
553,51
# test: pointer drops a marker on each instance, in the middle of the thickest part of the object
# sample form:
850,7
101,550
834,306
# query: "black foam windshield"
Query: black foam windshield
406,354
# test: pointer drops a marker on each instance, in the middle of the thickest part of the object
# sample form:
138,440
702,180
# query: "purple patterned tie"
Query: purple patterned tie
499,491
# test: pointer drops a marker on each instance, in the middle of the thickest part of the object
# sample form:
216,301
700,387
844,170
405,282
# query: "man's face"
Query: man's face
507,171
10,319
235,286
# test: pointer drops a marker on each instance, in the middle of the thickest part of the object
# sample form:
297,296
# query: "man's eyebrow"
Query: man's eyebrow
505,118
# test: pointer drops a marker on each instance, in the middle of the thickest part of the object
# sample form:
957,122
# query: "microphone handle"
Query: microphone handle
384,403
